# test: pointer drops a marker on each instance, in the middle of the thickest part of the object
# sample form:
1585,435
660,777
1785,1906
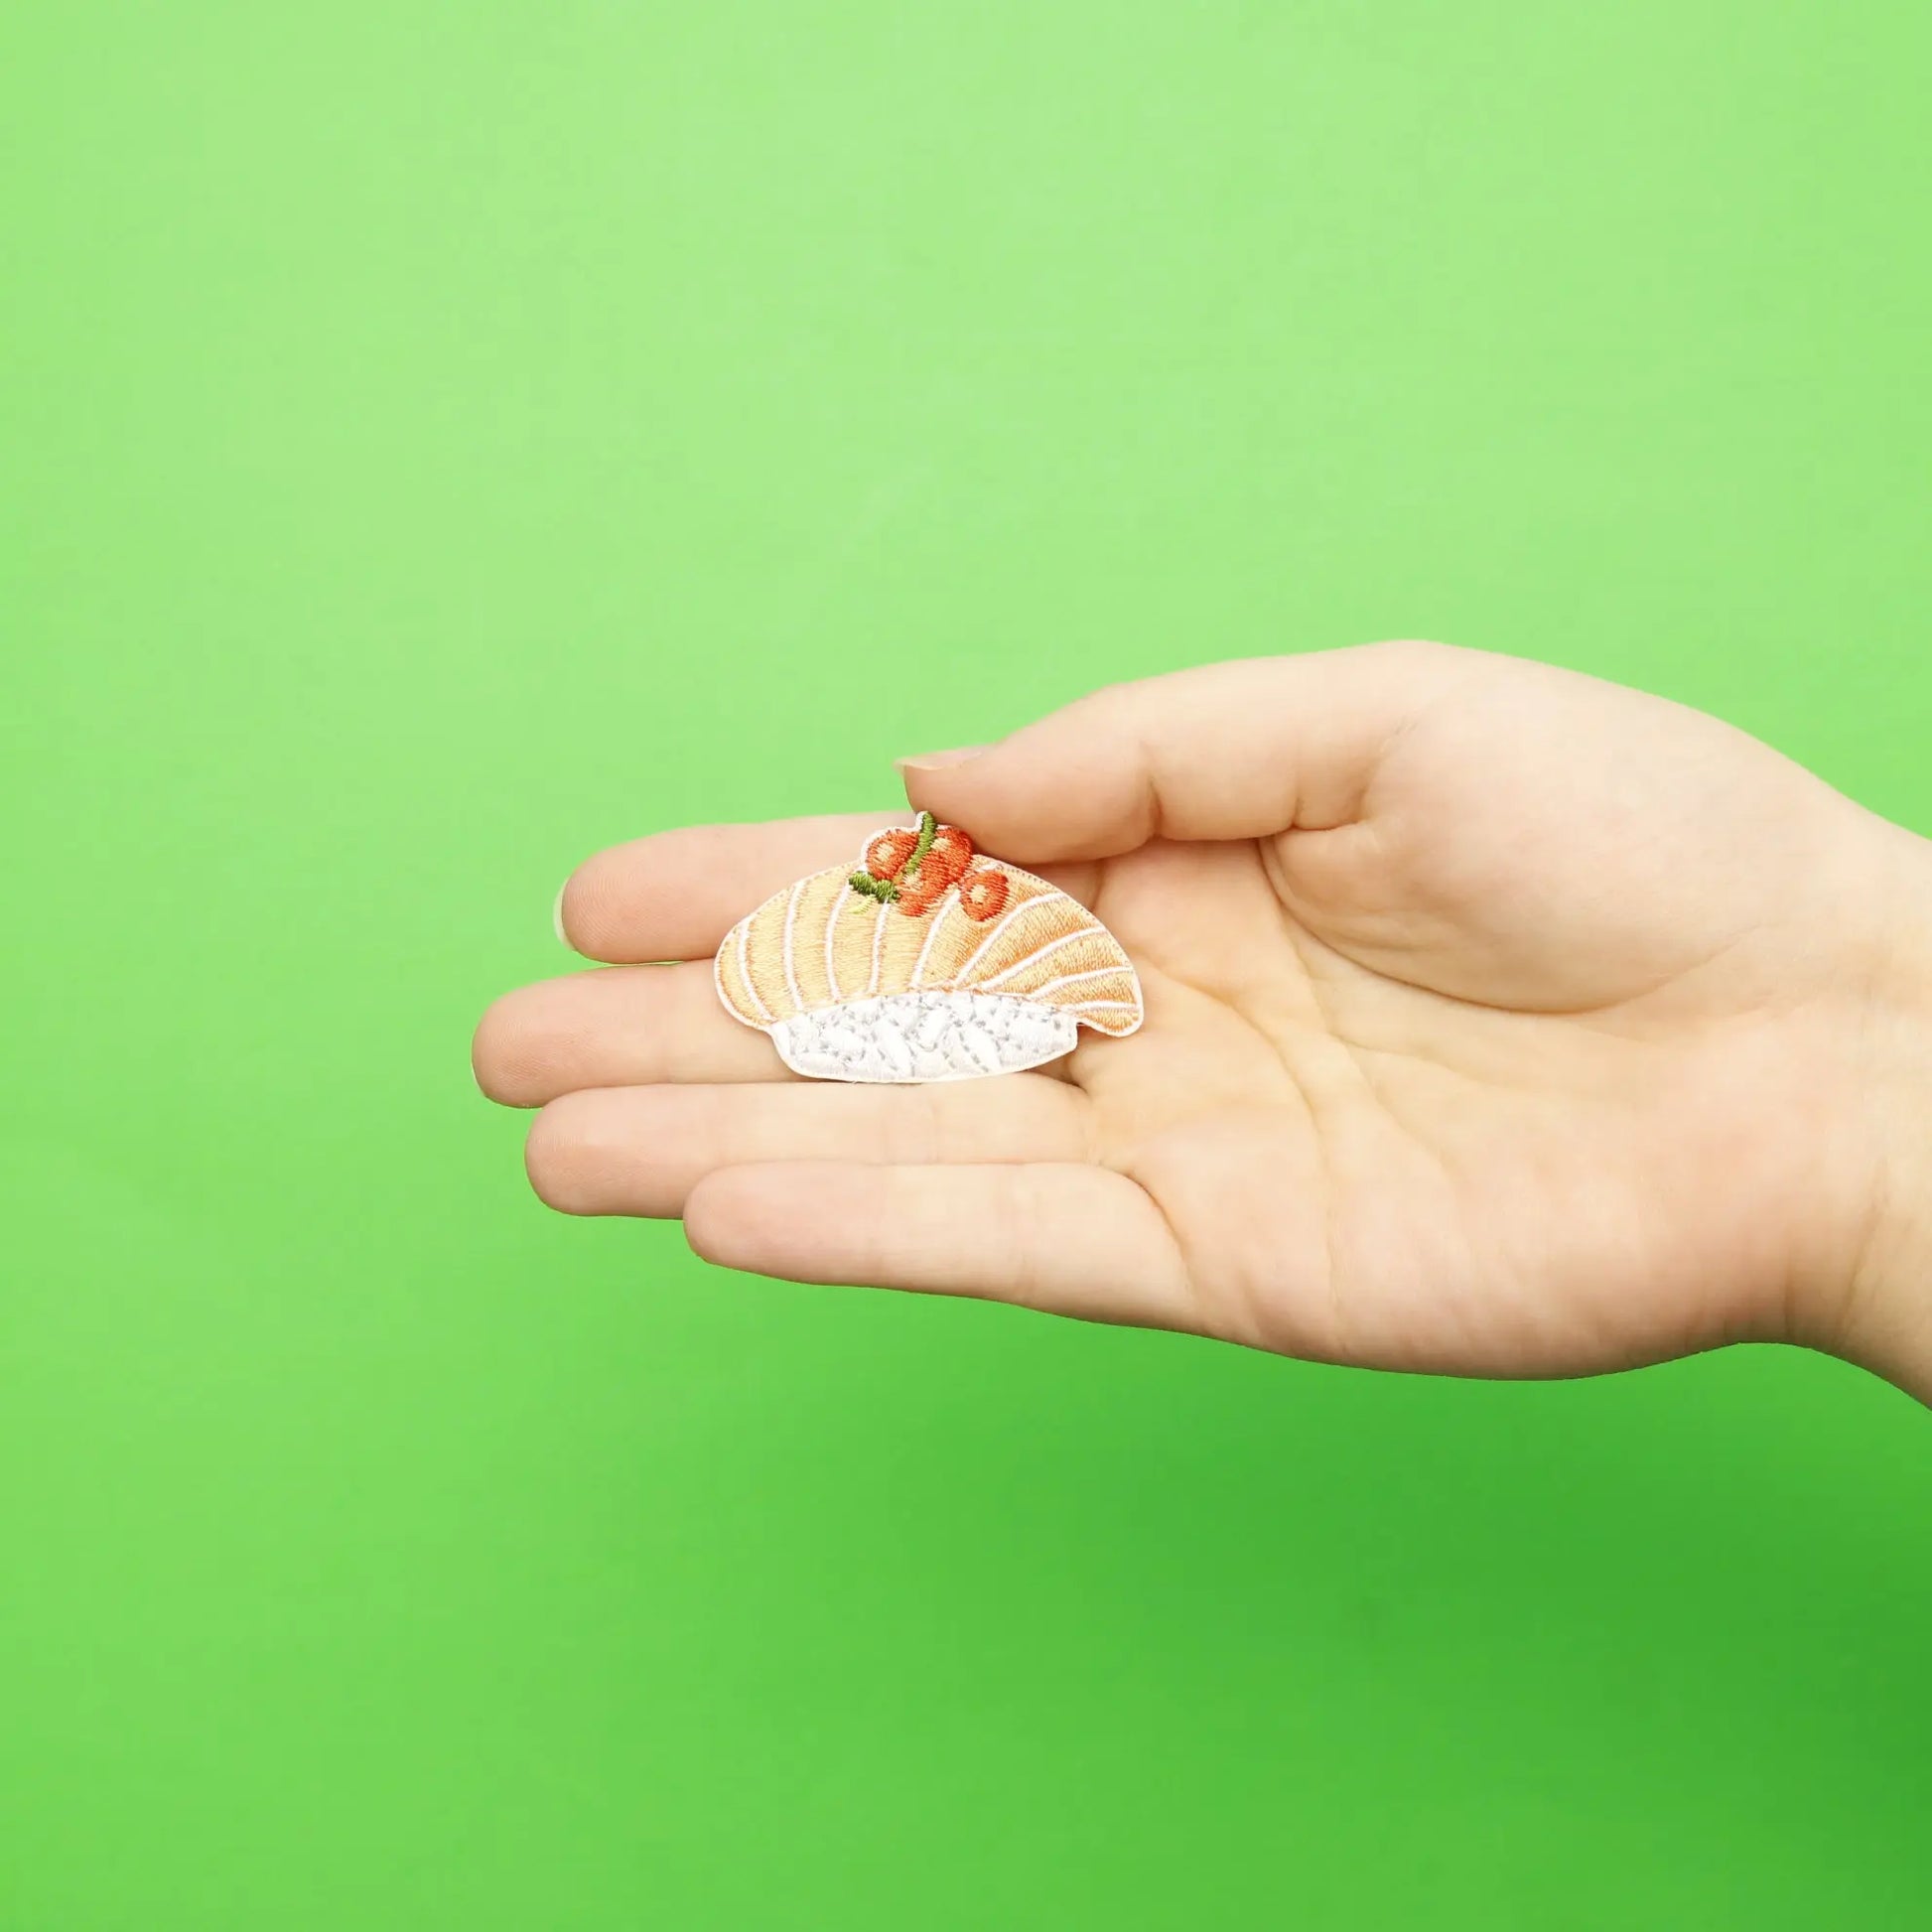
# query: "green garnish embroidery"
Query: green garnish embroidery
928,831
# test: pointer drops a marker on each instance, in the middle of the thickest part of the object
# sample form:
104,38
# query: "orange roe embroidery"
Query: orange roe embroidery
951,853
915,867
921,896
983,894
886,855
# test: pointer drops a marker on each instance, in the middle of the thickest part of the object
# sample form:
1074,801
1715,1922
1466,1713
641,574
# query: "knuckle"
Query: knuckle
925,1141
1118,701
1024,1213
1418,656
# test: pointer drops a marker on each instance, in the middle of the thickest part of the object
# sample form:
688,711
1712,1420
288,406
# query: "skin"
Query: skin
1500,1022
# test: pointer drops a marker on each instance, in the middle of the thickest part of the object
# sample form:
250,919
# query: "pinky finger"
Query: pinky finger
1066,1239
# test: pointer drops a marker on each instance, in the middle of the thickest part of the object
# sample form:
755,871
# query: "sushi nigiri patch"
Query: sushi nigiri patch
930,962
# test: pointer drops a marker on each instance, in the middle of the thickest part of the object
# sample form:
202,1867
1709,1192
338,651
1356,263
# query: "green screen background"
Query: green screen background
442,440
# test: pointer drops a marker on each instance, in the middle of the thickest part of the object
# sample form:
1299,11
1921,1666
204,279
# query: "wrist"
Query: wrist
1886,1316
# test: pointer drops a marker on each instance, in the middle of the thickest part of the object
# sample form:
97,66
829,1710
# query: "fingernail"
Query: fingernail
557,916
939,760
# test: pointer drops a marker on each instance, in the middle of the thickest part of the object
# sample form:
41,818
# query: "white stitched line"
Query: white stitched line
1039,952
745,972
791,964
946,903
961,978
878,950
1100,1005
1075,978
831,964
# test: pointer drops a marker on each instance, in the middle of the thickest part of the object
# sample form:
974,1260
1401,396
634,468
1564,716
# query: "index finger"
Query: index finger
675,894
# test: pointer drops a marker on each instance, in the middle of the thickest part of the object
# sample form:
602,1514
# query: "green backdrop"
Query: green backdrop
440,440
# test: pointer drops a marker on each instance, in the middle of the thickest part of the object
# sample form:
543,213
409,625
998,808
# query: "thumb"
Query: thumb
1235,750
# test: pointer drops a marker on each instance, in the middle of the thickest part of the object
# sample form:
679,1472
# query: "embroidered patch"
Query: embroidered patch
930,962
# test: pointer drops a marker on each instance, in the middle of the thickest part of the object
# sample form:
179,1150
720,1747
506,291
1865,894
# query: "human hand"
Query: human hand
1500,1022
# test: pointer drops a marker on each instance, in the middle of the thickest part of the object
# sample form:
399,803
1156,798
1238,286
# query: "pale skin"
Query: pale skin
1500,1022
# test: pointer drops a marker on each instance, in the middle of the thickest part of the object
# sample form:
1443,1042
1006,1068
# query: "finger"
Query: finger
617,1027
1234,751
1068,1239
675,894
642,1149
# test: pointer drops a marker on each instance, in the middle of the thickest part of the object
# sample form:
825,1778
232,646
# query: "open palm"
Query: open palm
1499,1020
